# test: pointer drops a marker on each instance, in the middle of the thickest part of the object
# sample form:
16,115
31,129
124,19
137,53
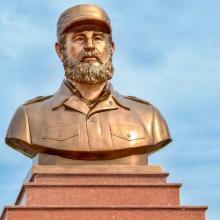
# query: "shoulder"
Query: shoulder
135,99
143,107
139,104
37,99
21,111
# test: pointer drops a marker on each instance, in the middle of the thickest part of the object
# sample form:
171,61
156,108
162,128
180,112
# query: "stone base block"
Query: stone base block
100,195
116,192
104,213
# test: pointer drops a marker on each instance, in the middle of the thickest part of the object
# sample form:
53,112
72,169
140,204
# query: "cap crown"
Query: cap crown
83,14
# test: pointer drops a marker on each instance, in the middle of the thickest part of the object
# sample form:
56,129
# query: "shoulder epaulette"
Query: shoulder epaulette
137,99
37,99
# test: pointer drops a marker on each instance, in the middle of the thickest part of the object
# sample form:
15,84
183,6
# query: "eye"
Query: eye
79,39
98,38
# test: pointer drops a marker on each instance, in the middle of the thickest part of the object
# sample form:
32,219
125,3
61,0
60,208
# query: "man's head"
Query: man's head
85,44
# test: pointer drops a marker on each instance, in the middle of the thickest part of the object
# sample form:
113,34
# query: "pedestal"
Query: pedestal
116,192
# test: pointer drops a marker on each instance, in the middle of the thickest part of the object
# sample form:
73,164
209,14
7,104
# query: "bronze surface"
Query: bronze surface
64,125
86,119
83,14
45,159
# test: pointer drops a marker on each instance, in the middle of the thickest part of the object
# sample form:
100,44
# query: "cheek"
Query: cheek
106,53
74,52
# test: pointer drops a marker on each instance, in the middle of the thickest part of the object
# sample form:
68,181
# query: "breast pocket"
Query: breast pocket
61,136
126,136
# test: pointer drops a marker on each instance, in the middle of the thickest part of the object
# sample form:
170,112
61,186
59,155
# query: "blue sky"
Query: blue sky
167,52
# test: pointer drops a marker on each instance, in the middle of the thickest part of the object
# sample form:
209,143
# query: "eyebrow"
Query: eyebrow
80,33
99,32
77,34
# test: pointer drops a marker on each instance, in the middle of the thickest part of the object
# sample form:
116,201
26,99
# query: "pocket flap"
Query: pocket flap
128,132
60,133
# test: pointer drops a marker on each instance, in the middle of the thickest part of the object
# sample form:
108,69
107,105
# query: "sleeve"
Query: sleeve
160,131
18,134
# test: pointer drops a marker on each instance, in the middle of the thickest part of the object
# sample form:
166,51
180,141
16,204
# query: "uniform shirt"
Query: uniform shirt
64,124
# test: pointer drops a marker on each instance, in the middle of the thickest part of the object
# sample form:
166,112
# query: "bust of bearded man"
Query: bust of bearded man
86,119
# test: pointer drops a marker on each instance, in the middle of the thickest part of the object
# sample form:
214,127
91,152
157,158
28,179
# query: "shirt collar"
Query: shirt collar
65,96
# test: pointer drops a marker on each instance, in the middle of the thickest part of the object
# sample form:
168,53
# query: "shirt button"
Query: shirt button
110,103
128,135
94,119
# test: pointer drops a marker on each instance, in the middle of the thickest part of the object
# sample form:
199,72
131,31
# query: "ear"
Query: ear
112,49
59,51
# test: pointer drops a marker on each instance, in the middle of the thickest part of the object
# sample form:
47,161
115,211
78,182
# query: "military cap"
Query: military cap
83,14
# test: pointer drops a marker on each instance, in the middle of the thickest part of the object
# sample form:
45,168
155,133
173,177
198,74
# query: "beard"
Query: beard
89,73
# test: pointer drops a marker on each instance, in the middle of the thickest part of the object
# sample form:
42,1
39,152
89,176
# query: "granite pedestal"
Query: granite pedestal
87,192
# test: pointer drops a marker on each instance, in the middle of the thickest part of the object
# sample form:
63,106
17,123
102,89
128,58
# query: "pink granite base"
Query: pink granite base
100,192
65,213
101,195
83,175
83,179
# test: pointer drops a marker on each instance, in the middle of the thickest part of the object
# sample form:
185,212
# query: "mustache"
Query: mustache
94,53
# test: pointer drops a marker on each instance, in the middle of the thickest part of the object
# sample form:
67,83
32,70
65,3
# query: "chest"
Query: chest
69,129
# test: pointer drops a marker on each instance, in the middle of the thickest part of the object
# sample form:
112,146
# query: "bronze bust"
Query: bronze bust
86,119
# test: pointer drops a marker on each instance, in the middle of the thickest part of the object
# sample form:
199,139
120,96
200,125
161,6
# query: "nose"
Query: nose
89,44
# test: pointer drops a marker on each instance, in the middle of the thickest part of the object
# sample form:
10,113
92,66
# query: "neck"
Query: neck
88,91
